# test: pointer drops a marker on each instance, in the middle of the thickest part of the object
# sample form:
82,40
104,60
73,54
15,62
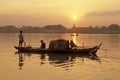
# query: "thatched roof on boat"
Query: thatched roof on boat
59,44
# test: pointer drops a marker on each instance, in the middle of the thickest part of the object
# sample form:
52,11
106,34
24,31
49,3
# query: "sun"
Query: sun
74,17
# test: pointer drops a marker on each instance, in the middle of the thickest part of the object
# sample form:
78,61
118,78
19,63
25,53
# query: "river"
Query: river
14,66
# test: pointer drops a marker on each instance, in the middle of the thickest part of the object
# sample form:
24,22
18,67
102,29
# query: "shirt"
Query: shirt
21,37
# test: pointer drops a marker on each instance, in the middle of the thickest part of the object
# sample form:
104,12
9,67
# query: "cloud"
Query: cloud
45,3
105,13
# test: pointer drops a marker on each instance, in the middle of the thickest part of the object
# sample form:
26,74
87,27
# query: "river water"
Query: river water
24,66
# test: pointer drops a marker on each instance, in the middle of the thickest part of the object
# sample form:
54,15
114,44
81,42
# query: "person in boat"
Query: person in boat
21,39
43,45
72,44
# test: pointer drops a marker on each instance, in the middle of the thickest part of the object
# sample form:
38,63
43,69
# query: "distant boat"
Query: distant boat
60,46
74,34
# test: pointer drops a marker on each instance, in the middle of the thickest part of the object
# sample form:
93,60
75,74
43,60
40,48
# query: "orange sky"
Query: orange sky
44,12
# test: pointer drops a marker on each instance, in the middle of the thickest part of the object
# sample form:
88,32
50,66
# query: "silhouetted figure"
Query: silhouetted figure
21,39
72,44
43,45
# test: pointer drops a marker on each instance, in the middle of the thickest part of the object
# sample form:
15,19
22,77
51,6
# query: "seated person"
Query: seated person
43,45
72,44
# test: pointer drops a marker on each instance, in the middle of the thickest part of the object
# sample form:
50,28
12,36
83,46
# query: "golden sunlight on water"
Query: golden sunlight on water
25,66
74,38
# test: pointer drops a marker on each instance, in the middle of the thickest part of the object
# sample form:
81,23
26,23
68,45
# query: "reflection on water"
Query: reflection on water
25,66
74,36
58,60
20,60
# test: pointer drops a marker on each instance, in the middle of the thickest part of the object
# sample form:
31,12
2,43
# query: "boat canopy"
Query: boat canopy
59,44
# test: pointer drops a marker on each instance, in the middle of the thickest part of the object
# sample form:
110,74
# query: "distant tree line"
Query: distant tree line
111,29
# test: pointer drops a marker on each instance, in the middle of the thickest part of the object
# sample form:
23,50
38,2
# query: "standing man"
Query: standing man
21,39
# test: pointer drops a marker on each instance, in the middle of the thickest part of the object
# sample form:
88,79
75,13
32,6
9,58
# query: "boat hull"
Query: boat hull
92,50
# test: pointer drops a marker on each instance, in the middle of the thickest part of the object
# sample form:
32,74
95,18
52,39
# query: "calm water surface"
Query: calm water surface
24,66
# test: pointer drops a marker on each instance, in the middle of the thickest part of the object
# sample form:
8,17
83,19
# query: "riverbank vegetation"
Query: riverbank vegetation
111,29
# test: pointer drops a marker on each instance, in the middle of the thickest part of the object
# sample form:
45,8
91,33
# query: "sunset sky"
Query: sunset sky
82,13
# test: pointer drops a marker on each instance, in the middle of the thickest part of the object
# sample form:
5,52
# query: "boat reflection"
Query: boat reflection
57,59
68,60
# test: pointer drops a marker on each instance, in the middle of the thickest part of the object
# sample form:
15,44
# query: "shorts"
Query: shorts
20,41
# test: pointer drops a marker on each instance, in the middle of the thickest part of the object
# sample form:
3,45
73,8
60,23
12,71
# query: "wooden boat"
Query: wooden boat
55,47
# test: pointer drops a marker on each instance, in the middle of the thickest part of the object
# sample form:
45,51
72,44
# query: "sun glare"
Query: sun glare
74,17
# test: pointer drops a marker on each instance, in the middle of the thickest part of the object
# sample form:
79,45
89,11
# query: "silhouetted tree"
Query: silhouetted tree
114,27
